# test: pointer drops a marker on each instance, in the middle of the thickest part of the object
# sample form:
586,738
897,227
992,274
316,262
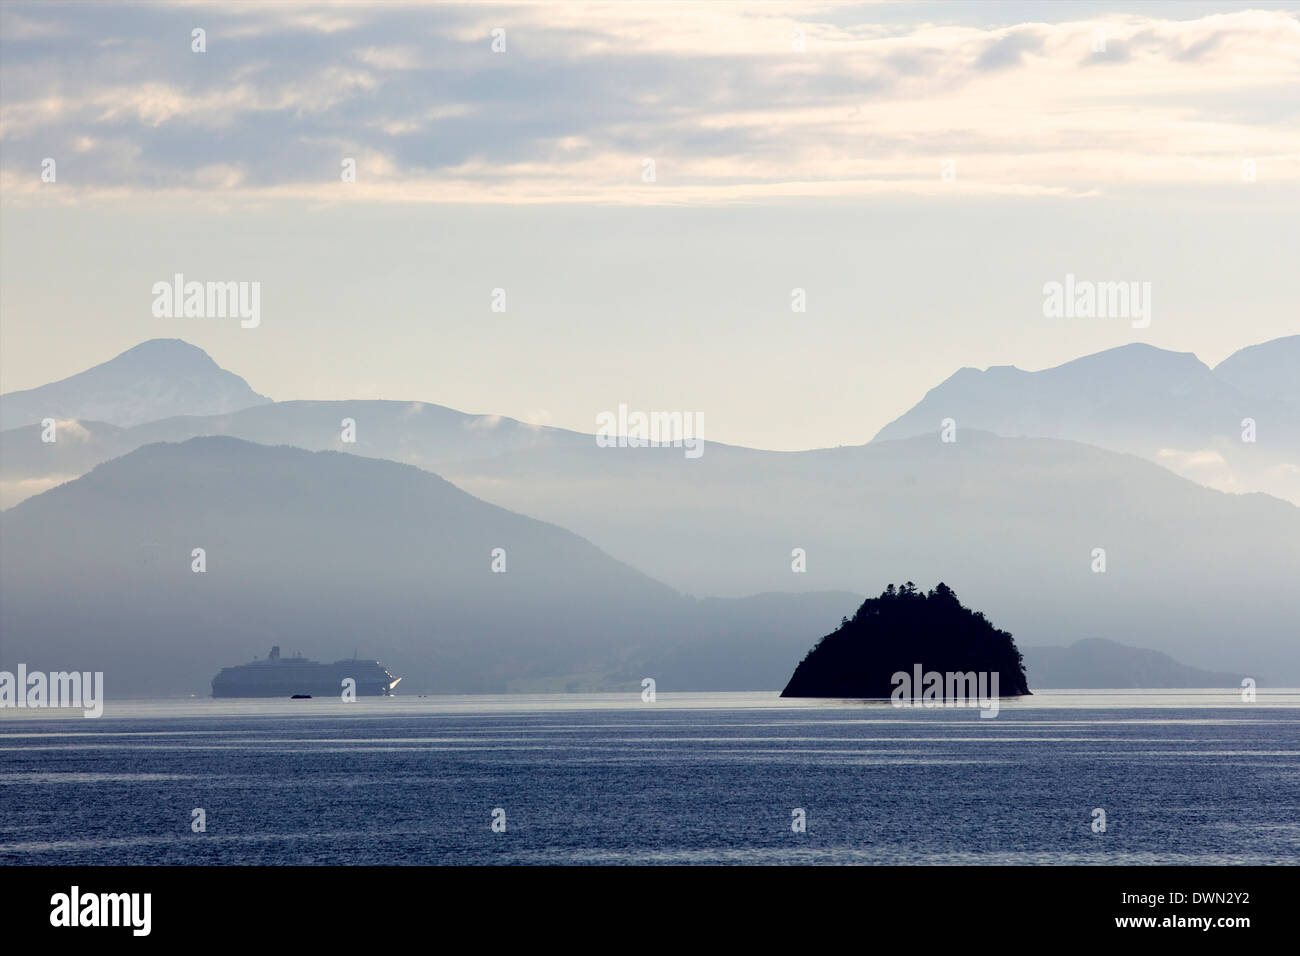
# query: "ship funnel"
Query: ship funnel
275,653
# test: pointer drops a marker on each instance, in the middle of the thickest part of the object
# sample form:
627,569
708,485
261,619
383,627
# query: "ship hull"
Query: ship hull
287,678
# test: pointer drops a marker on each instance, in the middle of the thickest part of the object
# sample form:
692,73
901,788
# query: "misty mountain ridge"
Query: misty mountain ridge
156,379
1132,398
415,433
1010,522
1167,407
1164,406
332,552
1100,663
1268,370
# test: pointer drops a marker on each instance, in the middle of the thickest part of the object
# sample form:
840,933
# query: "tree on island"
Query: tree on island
906,630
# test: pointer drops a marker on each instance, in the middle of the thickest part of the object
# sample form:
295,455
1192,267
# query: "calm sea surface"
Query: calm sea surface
1183,777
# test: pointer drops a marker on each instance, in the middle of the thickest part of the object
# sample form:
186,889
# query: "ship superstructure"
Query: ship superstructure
297,676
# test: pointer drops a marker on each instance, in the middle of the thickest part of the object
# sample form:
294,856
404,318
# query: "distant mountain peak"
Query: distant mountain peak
1289,344
1134,354
1269,370
1121,358
1070,400
159,378
166,349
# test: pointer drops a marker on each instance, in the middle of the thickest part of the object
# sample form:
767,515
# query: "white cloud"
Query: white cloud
389,57
1180,460
12,492
713,92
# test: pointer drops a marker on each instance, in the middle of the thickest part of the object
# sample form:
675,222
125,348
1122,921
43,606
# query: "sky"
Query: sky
648,184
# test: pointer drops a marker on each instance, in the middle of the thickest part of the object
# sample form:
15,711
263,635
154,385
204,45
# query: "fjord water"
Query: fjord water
1183,777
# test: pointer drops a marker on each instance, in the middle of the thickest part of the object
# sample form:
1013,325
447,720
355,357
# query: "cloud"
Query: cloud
71,428
1010,48
537,418
735,103
390,57
12,492
1211,468
1186,460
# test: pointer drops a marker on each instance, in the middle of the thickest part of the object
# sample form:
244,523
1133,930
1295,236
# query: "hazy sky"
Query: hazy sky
775,168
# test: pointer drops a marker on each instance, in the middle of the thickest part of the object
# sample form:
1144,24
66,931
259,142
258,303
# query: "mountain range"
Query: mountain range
1167,407
1011,520
1097,662
333,552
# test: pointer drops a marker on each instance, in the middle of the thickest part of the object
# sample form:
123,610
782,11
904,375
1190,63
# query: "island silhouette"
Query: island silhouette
896,644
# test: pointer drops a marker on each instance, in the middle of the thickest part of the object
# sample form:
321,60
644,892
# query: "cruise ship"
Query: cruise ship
298,677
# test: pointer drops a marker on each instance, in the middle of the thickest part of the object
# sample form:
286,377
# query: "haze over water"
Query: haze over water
1183,776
